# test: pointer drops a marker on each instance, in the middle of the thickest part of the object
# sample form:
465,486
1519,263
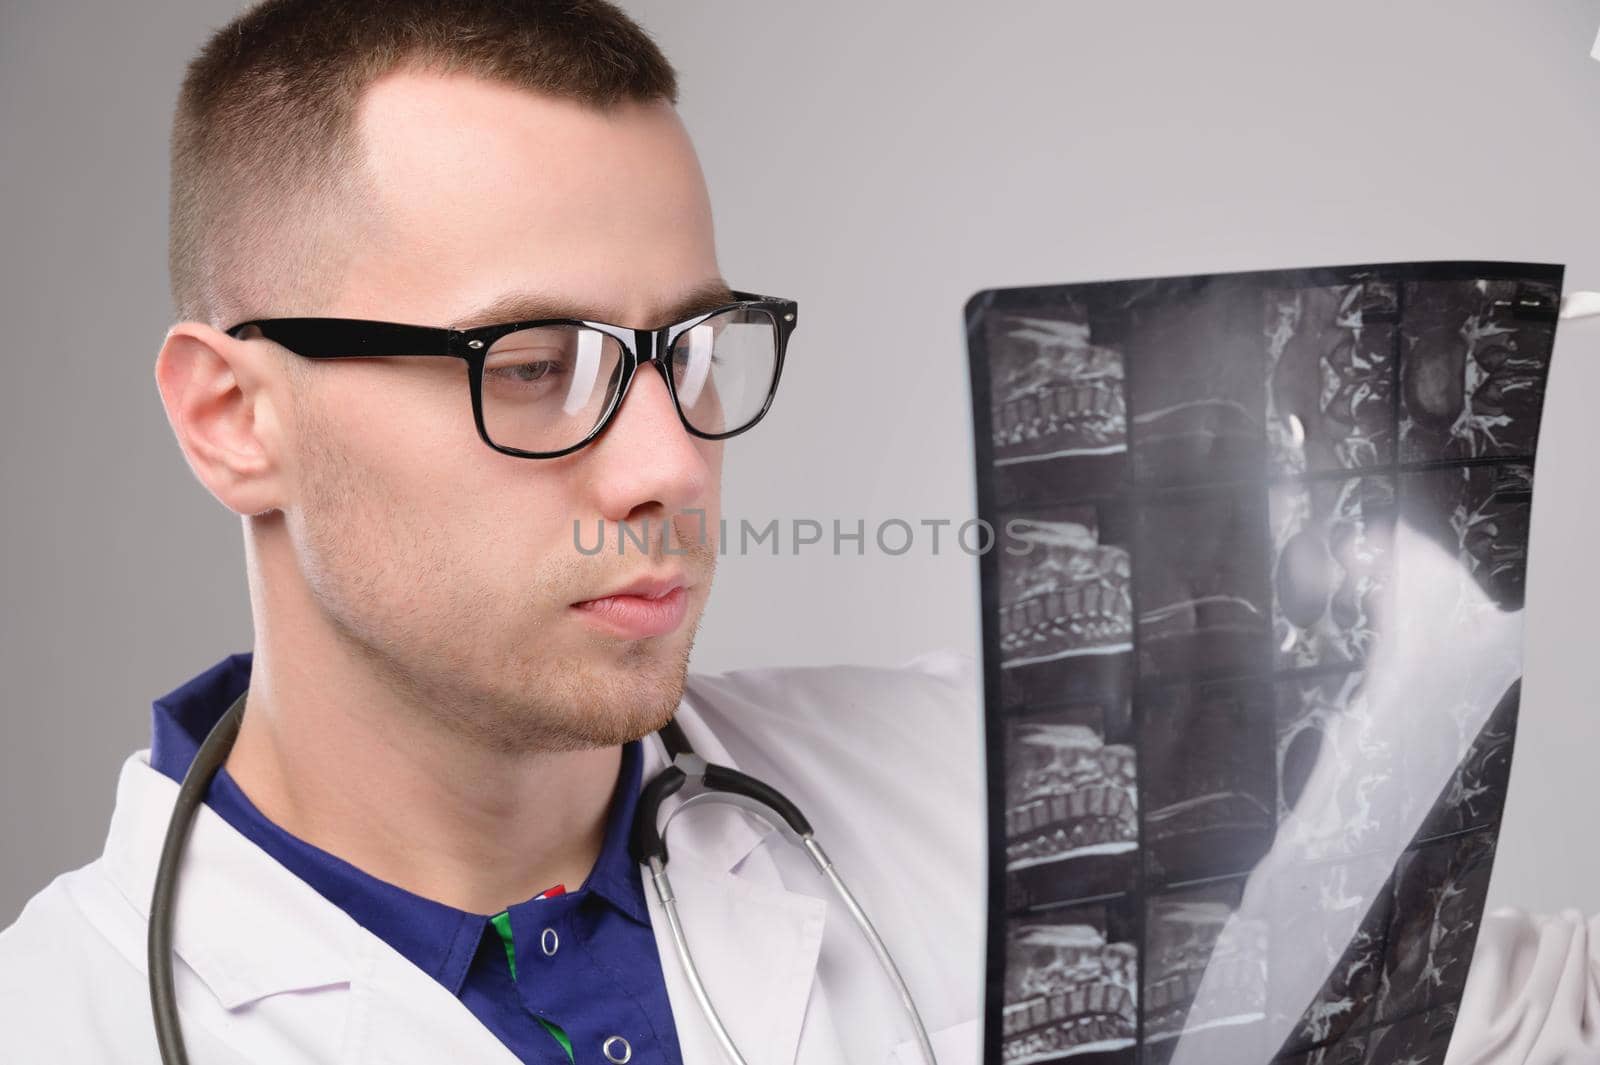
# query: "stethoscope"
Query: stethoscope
701,781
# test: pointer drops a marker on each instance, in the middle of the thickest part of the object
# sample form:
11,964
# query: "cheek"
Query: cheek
512,520
407,426
711,452
711,499
406,405
381,486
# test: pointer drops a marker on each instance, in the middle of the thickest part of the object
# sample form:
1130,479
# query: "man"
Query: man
417,849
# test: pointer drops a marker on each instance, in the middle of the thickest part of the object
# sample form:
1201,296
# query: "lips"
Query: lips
647,587
649,606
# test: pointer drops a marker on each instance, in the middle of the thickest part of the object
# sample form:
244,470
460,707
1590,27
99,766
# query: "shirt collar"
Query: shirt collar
437,938
615,876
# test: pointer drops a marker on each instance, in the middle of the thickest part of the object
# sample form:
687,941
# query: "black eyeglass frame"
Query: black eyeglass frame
353,338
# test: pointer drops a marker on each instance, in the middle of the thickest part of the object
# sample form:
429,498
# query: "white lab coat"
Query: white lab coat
886,764
1533,992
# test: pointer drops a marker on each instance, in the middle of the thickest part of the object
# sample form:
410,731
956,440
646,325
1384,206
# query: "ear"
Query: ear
224,399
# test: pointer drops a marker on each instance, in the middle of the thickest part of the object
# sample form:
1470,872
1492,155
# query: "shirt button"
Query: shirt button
548,941
616,1049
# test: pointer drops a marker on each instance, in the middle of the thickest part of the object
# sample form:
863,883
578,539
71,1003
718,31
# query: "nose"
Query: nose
647,463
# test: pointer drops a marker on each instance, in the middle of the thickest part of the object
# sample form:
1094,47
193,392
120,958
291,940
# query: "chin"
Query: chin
634,665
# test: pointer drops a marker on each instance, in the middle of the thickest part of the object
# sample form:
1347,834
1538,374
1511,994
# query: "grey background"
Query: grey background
878,162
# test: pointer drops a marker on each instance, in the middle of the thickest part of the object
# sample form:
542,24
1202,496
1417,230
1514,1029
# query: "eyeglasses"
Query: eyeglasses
544,388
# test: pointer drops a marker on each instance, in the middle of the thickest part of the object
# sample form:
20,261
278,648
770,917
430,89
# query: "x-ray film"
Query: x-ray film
1252,640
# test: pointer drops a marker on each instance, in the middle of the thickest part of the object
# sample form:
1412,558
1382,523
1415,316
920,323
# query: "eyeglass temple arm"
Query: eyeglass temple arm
331,338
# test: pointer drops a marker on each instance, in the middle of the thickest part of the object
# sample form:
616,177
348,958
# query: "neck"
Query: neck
342,757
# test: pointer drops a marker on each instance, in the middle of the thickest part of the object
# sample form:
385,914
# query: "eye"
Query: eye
536,359
526,371
682,355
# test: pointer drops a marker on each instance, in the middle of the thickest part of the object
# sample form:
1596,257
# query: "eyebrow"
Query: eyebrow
708,295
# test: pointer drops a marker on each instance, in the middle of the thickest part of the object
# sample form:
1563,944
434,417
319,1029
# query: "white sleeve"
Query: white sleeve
1533,992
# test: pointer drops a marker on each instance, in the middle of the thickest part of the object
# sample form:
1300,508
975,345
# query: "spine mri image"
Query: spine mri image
1252,640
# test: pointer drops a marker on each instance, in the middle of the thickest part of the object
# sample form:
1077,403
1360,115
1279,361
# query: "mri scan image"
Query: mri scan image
1072,979
1252,641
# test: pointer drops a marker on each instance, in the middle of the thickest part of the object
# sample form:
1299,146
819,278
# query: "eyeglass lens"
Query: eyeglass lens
545,388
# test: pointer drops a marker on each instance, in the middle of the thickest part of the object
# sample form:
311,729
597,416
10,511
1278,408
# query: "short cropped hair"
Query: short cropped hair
267,173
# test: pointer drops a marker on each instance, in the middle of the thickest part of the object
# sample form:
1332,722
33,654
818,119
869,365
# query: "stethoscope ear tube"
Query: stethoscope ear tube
645,840
724,778
196,781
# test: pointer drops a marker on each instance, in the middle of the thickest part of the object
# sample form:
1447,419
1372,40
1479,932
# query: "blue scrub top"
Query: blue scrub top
603,978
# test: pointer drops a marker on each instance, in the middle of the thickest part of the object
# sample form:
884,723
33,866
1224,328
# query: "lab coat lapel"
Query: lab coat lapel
402,1016
754,942
248,929
244,925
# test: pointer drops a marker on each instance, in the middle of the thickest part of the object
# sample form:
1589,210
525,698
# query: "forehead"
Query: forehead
483,189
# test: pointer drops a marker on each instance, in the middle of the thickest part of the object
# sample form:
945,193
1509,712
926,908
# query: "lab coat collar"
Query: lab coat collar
249,928
246,925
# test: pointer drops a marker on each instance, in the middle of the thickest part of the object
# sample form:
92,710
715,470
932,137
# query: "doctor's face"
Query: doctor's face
453,568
